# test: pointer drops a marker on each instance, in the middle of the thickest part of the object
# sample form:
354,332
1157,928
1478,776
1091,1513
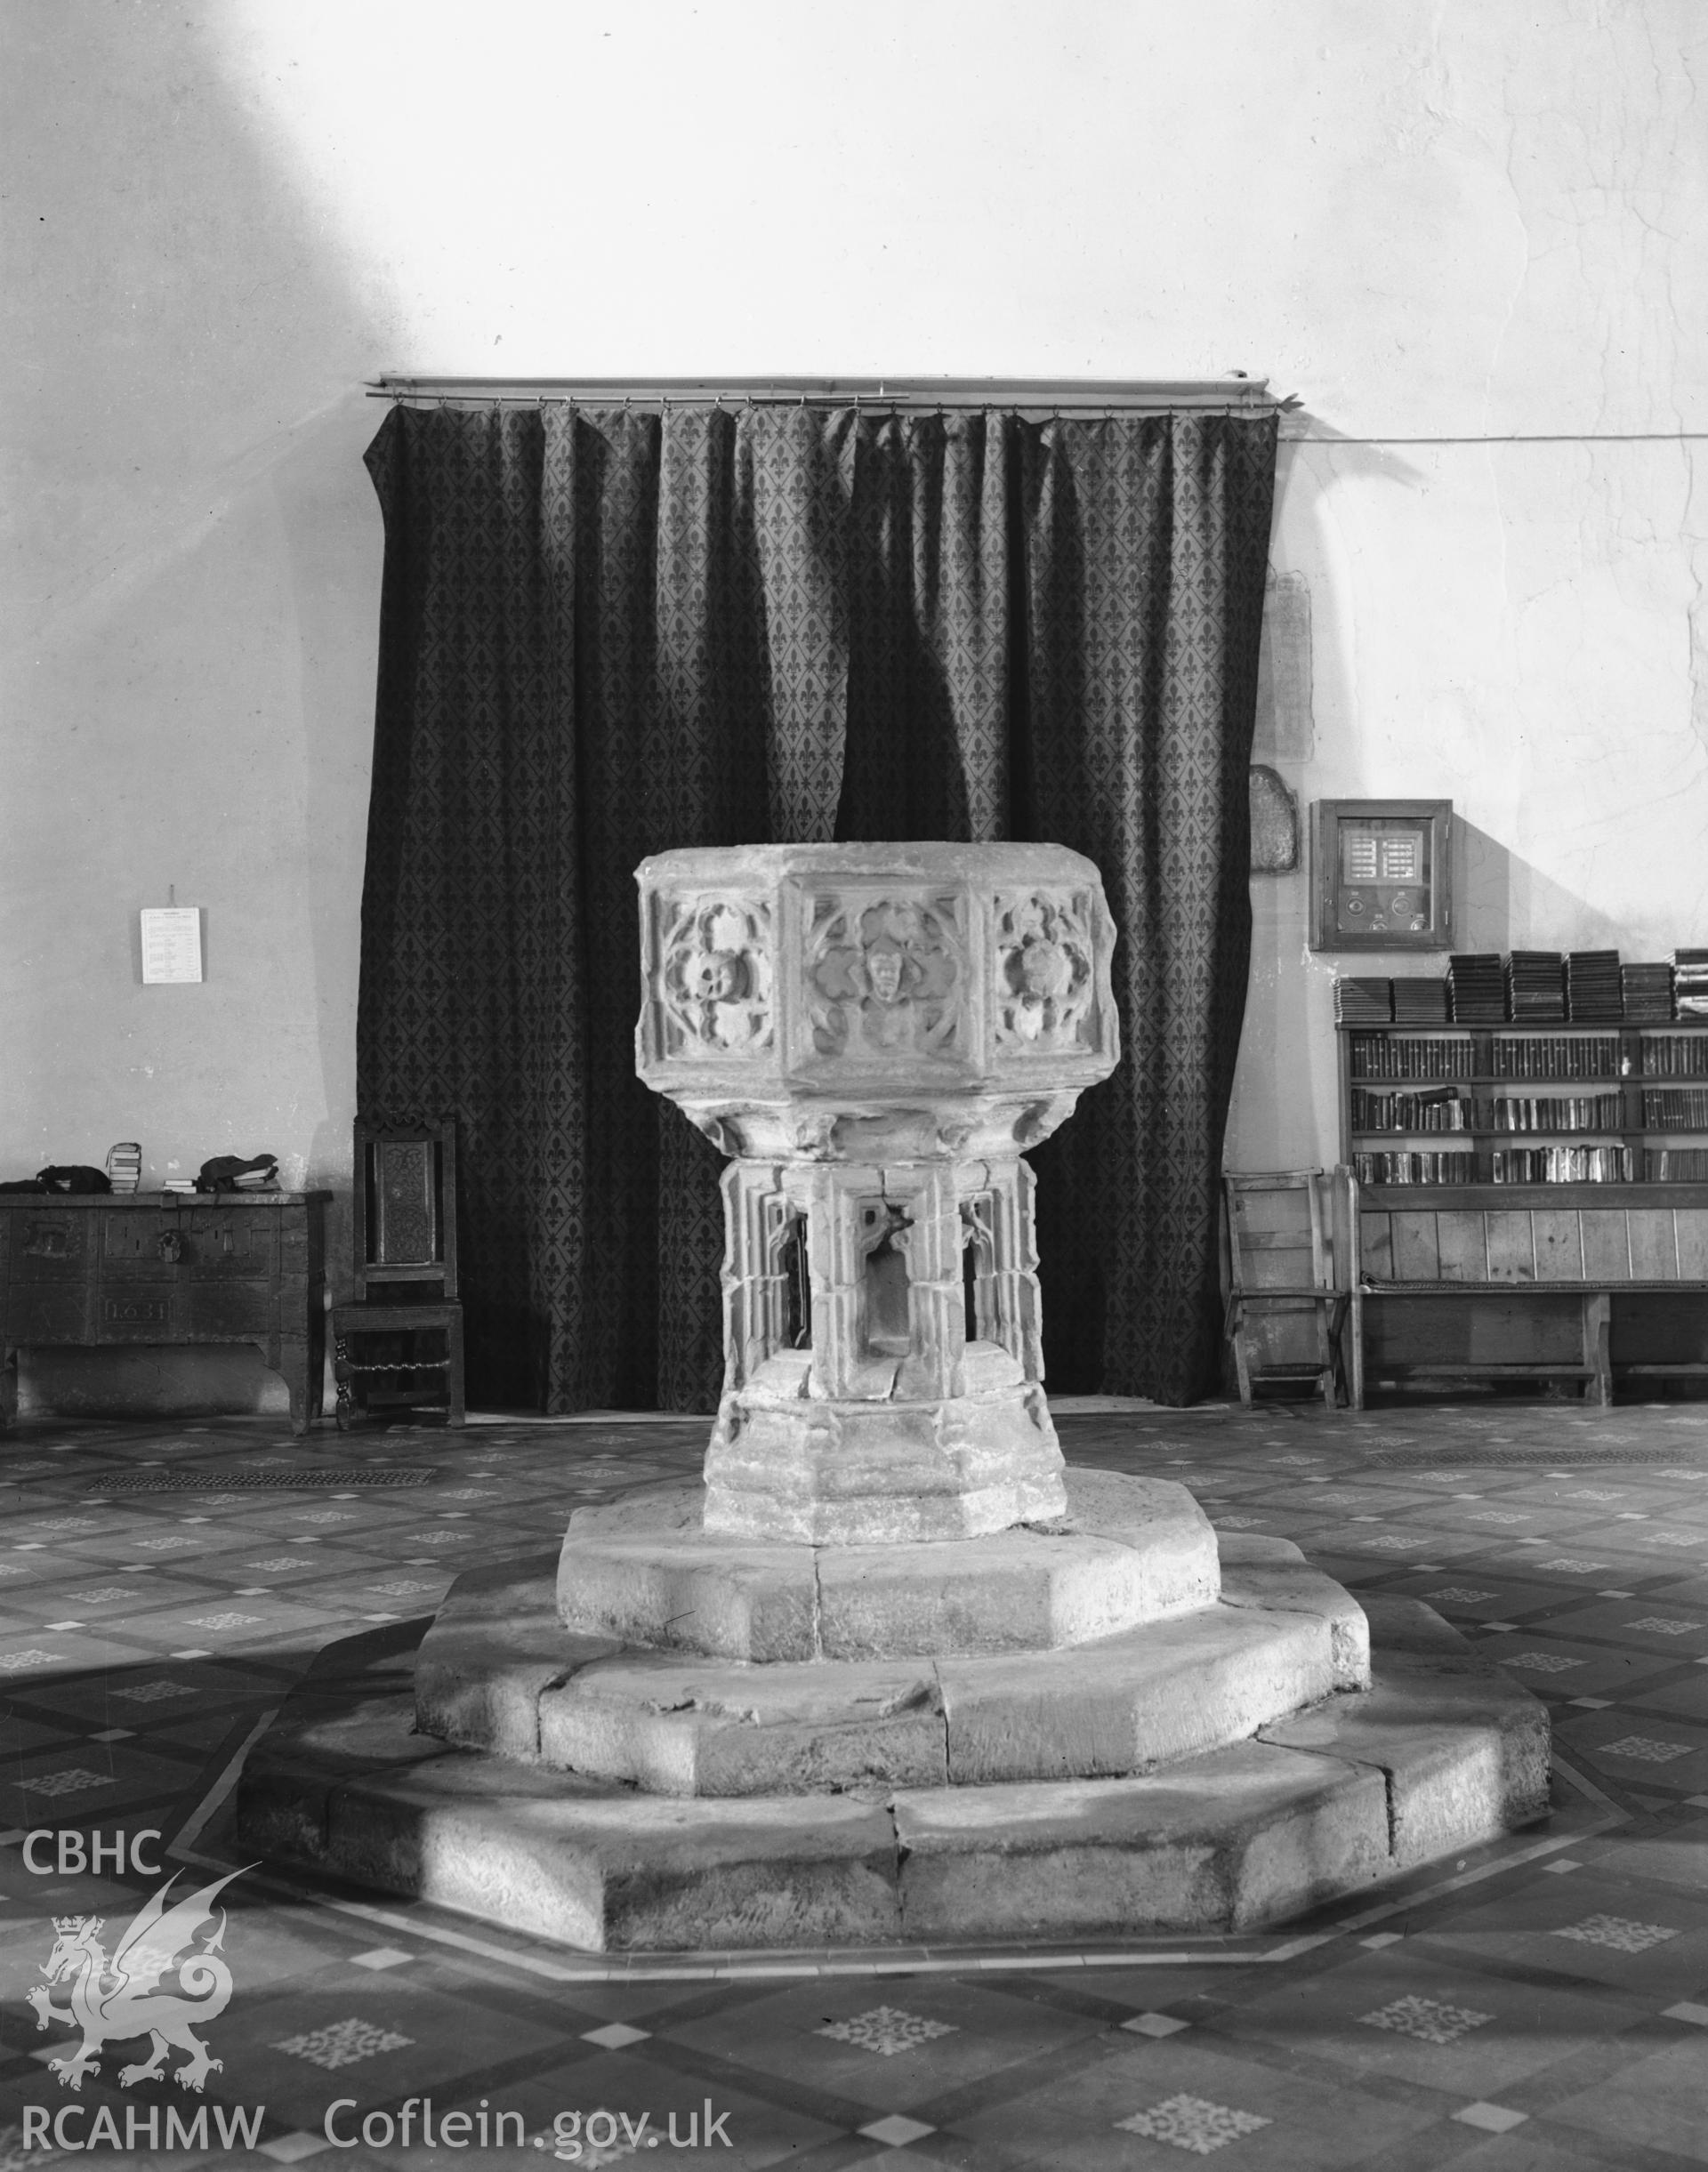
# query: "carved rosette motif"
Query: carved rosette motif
886,976
1045,971
712,980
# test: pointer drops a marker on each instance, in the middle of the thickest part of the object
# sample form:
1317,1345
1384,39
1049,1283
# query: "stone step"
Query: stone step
1431,1760
1148,1697
498,1671
644,1571
1241,1837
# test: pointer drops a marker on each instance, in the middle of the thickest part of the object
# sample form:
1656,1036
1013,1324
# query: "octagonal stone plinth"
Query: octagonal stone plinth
1441,1754
646,1572
875,1033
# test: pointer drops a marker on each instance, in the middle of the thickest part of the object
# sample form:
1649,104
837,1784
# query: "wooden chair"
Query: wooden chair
1292,1280
405,1245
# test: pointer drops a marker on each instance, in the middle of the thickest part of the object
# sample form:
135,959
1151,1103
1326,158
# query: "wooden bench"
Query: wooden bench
1591,1282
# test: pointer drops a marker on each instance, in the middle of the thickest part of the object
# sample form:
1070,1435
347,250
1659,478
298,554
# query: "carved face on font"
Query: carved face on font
716,976
884,969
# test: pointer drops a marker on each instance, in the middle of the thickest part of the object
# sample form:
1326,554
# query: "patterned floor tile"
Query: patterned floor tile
1444,2027
890,2049
1601,1929
1158,2104
1002,2073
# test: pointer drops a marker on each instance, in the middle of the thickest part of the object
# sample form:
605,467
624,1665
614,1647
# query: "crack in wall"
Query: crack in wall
943,1714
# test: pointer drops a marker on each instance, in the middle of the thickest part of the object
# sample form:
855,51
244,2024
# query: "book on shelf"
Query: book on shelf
1647,992
1594,990
1675,1164
1683,1108
1420,1000
1569,1056
1536,986
1573,1112
1477,987
1382,1056
1399,1165
1440,1108
1360,1000
1562,1164
1691,983
1671,1056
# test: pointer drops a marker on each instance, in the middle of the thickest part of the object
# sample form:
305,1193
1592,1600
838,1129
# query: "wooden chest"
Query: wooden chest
163,1268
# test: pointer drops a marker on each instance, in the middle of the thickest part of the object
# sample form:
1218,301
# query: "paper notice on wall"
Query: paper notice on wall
172,943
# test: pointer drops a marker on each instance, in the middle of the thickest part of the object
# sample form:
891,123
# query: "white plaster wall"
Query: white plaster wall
1472,221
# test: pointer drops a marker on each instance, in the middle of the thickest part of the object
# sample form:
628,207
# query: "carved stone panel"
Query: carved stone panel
885,977
1044,965
711,977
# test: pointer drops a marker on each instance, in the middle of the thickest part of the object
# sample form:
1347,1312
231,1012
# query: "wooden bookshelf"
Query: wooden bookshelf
1554,1221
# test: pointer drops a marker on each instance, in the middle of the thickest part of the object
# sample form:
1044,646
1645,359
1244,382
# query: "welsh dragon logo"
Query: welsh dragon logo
157,1982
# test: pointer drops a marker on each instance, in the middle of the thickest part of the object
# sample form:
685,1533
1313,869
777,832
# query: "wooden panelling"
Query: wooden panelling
1691,1225
1416,1256
46,1311
1464,1256
1607,1246
1489,1327
1559,1240
1512,1253
1654,1250
47,1246
1375,1246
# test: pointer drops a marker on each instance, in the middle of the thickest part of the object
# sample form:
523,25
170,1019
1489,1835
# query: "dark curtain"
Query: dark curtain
604,633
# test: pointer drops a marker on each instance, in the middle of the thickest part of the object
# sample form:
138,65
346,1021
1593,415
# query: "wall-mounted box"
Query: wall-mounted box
1382,874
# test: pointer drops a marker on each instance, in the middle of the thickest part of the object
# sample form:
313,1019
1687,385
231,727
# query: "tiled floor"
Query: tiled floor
1539,2006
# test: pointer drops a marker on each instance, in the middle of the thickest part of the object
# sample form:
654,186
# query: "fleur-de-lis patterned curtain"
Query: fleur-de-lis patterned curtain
605,632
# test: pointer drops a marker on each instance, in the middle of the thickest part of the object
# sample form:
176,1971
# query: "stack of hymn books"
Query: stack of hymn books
1690,982
1477,987
1535,987
1359,1000
124,1166
1594,991
1647,991
1420,1001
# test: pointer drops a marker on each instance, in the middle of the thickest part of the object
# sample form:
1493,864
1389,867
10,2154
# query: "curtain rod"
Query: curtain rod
1232,394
